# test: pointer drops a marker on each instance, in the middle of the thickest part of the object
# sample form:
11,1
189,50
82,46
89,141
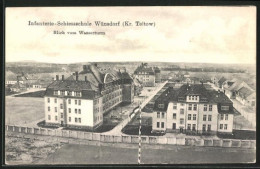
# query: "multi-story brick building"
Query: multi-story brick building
193,109
148,76
82,99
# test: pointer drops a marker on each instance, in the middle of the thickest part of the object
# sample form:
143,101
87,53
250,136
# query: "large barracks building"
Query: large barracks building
82,98
193,109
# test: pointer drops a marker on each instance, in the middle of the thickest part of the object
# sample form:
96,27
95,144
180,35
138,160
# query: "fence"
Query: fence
67,134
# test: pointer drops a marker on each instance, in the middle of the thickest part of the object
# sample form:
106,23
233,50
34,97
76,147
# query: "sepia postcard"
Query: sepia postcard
130,85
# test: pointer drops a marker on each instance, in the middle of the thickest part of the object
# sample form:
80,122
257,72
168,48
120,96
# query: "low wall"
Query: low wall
70,136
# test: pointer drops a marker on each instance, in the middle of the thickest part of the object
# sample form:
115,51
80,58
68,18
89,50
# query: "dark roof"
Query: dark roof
179,95
245,92
221,81
70,85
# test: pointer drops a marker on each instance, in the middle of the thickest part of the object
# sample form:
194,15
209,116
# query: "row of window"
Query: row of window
223,126
205,117
67,93
69,101
75,101
193,117
77,120
222,117
193,98
206,107
158,124
160,115
76,111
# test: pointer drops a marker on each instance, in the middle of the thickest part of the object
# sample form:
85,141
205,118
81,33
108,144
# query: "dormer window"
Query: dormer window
55,92
78,94
224,107
161,106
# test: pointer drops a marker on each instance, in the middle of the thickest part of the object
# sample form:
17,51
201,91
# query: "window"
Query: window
205,107
160,105
190,107
174,116
226,117
55,109
204,127
224,107
79,111
162,114
194,116
209,118
193,127
55,100
78,94
69,101
194,107
209,127
181,121
181,111
162,124
189,116
174,105
182,104
79,120
49,117
76,101
79,102
158,124
49,109
69,110
189,127
189,97
76,111
210,107
56,118
76,120
221,117
48,100
204,117
61,115
158,114
55,92
225,126
62,92
221,126
69,119
61,106
69,93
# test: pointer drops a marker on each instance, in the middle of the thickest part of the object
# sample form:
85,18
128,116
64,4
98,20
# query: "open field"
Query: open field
88,154
23,110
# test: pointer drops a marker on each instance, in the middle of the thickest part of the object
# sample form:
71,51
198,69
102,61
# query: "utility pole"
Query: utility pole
140,139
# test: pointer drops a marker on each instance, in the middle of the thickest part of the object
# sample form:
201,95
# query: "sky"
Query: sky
180,34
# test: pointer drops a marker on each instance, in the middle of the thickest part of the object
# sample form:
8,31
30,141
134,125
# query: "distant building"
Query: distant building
81,99
148,76
18,87
220,82
193,109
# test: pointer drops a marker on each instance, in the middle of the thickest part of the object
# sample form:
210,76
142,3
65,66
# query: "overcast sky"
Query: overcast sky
181,34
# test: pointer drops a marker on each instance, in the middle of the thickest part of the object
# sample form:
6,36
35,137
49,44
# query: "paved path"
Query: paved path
117,130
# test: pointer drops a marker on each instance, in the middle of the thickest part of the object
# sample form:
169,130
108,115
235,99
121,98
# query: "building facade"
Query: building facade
148,76
192,109
81,99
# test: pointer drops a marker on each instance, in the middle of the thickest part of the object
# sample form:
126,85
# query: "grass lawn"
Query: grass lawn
86,154
23,110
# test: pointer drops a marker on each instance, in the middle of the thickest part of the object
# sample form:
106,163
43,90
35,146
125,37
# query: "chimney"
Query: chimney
57,77
77,75
85,78
62,77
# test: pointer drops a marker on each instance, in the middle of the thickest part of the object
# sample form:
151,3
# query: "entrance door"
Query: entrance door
181,130
61,123
173,126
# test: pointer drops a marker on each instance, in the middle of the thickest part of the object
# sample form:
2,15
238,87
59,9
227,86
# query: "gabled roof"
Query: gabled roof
70,85
245,92
221,80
